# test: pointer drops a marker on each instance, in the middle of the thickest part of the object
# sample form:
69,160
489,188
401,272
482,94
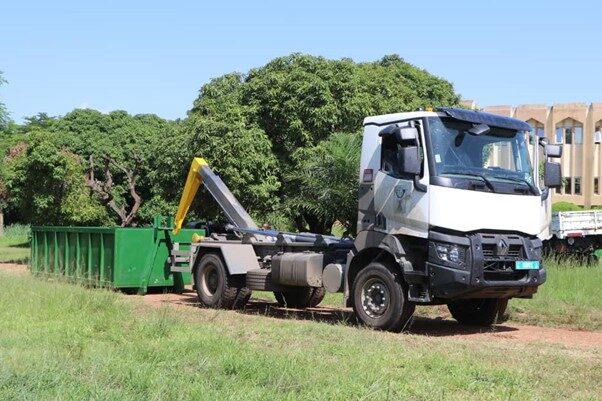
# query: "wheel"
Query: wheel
317,296
379,298
279,298
244,294
479,311
215,286
301,297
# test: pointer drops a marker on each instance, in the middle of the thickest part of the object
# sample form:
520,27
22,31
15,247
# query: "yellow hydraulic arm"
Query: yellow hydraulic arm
200,173
193,182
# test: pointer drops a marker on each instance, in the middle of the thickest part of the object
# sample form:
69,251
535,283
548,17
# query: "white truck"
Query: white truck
575,234
450,212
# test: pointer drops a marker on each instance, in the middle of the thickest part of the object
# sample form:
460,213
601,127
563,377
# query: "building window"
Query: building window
596,186
598,135
537,132
558,190
567,185
559,135
578,131
577,186
568,136
569,131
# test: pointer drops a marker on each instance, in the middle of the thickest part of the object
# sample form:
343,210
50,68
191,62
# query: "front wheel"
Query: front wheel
479,311
379,299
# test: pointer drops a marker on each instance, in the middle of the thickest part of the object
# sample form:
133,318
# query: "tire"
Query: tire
259,279
379,298
317,296
244,294
478,311
279,298
301,297
215,287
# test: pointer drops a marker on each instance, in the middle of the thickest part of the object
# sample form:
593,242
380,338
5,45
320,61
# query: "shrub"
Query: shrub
565,207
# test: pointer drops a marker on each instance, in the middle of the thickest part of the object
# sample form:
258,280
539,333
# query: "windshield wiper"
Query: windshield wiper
483,178
522,181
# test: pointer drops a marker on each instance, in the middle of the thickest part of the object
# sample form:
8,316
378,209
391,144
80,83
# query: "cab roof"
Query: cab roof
472,116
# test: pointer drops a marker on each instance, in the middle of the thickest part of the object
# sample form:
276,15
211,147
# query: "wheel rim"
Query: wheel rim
210,280
375,297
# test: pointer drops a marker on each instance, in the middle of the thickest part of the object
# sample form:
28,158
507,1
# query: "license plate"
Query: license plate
527,265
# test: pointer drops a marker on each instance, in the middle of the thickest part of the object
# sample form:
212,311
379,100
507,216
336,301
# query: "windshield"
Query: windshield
500,155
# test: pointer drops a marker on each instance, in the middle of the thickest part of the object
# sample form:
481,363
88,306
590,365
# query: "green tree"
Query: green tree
4,141
325,182
123,138
241,155
48,184
298,101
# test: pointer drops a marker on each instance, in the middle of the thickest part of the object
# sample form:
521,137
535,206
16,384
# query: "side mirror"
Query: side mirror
409,160
554,151
405,134
552,177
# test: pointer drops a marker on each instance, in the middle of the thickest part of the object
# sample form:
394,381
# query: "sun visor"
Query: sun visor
479,117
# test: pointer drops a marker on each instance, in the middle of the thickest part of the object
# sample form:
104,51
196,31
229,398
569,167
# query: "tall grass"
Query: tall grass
17,231
14,245
61,341
571,297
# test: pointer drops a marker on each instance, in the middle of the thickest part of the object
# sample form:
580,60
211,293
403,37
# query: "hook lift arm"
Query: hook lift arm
200,173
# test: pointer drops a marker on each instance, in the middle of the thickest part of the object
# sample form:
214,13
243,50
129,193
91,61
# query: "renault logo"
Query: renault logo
501,248
400,191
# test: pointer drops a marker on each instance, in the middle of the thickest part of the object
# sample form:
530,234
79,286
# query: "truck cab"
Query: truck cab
450,201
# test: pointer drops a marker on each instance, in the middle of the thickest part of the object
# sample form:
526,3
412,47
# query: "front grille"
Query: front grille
489,252
502,271
500,253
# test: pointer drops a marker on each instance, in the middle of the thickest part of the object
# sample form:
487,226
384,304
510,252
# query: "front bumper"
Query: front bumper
488,269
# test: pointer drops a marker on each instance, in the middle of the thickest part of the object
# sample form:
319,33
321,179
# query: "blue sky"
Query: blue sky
152,57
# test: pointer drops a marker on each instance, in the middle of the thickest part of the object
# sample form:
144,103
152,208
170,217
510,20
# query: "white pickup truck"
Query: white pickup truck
575,233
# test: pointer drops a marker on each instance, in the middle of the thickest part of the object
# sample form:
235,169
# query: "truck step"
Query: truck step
181,261
419,294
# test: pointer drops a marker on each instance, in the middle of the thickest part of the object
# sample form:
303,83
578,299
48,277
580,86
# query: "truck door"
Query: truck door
400,198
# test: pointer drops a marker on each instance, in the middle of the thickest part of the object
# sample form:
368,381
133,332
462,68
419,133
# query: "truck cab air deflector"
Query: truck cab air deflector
478,117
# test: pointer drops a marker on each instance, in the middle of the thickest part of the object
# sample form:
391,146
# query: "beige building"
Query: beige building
578,127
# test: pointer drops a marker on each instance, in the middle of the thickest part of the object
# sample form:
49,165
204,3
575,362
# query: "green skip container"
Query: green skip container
115,257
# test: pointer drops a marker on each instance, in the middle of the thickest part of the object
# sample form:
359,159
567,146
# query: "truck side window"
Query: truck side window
390,163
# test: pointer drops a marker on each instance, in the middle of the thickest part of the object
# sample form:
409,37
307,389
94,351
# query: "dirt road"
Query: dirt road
421,326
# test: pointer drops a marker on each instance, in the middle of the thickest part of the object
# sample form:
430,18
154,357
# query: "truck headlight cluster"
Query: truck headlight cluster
450,253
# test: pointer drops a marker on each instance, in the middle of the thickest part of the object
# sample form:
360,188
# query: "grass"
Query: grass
570,298
61,341
14,245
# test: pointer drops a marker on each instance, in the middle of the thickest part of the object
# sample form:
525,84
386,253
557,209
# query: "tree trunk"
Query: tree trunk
1,223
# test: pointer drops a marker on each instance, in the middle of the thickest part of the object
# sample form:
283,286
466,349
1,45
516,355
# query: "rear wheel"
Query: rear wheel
317,296
380,300
479,311
215,286
301,297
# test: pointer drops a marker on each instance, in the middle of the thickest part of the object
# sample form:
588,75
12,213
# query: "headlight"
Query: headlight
450,253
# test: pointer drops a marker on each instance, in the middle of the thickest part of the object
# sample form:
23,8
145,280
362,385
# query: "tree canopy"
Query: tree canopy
293,104
285,137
